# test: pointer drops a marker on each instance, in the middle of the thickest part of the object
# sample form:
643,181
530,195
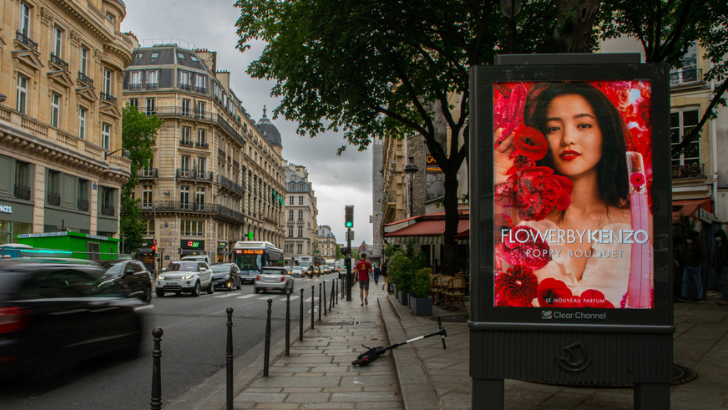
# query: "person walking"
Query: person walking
362,269
694,256
720,265
377,272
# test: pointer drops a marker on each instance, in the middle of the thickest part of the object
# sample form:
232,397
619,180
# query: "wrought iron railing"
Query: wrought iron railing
203,145
54,198
194,174
198,207
85,79
187,87
221,153
185,143
686,75
693,170
147,173
169,111
231,185
107,97
82,204
22,192
135,87
230,130
151,86
236,164
59,62
22,38
108,210
201,90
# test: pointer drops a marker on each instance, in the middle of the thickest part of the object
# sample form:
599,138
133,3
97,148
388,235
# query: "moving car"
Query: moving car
226,275
54,314
185,276
197,258
127,278
273,278
297,271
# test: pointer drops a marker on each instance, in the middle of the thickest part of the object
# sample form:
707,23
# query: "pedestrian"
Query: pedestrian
362,269
720,265
694,256
377,272
384,275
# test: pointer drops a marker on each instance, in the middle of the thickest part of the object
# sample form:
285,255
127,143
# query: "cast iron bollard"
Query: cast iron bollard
267,341
324,298
157,370
300,320
313,304
288,322
319,303
229,358
333,298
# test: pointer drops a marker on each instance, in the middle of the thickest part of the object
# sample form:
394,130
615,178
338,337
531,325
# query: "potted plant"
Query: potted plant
420,303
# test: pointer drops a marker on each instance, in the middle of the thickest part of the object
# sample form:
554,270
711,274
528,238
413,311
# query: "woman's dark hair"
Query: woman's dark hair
612,180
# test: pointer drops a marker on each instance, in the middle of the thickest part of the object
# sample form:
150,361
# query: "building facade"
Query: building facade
215,178
61,68
300,214
326,242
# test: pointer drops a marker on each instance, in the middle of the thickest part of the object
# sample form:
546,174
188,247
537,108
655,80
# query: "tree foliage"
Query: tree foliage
137,134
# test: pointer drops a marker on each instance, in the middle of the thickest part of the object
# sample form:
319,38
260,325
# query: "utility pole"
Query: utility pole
349,222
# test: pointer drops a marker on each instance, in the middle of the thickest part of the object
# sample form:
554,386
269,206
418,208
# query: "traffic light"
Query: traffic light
349,216
347,263
154,248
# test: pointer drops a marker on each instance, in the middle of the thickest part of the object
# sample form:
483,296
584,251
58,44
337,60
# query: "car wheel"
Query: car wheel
147,295
196,289
211,288
160,293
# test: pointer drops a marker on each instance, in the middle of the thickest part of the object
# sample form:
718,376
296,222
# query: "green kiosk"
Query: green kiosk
81,245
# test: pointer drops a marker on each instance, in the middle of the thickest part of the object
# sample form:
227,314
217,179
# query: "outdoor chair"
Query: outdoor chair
455,293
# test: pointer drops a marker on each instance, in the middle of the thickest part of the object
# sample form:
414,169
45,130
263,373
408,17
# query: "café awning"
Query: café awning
691,208
427,229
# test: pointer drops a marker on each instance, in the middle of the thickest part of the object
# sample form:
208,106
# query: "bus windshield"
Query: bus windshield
249,262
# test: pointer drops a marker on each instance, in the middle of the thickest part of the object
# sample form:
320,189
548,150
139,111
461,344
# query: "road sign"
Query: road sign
362,247
154,242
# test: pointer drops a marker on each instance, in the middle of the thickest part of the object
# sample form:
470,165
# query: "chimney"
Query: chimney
209,58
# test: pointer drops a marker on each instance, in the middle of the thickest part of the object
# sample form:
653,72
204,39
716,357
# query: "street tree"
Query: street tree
137,135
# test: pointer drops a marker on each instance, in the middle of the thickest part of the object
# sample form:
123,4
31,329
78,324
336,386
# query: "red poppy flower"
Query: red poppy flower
555,293
508,109
531,143
517,287
523,247
519,162
595,299
536,192
637,179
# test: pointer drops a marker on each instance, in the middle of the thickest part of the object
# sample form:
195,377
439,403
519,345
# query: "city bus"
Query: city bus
252,256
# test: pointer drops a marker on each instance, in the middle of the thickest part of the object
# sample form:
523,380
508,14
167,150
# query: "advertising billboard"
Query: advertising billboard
572,166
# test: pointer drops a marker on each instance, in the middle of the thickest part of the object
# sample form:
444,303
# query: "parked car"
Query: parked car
128,278
185,276
54,314
273,278
226,275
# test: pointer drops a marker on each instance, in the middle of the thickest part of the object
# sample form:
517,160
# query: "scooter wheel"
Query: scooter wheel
358,362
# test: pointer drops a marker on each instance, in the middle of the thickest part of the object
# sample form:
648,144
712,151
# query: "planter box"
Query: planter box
403,298
420,306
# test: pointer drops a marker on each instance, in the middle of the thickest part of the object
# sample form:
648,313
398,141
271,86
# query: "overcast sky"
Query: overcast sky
337,180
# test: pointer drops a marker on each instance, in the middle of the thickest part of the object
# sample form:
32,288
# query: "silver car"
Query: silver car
185,276
274,278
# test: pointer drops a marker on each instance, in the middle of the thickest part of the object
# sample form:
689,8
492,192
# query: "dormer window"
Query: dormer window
138,56
181,56
193,58
155,55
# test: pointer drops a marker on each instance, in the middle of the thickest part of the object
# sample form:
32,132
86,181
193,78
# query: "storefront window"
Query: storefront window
10,230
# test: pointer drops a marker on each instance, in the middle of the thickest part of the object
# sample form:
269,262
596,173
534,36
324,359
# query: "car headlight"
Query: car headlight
186,277
226,277
161,277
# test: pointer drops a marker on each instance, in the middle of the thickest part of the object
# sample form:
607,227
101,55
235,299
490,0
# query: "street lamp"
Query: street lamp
124,153
511,8
410,169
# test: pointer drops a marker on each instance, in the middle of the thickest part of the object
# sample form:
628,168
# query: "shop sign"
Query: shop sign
192,244
43,235
101,238
432,164
6,209
705,215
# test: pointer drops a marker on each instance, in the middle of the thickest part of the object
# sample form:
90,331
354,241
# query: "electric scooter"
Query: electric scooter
374,352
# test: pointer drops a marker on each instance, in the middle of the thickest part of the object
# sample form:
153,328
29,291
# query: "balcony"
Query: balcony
108,210
236,164
693,170
221,153
230,130
218,209
134,87
186,87
22,192
151,86
54,198
82,204
108,98
147,173
60,63
171,111
25,40
185,143
202,145
85,79
685,75
194,174
229,184
201,90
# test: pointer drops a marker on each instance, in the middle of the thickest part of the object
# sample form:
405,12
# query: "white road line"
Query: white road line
144,307
309,299
225,296
292,298
246,296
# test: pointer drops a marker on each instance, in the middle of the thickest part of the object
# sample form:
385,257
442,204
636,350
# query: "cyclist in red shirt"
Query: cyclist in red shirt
362,270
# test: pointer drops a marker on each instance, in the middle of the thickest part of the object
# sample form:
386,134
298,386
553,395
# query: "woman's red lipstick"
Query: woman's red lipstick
568,155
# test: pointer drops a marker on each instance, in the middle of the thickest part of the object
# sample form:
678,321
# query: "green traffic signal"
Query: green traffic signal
349,224
349,216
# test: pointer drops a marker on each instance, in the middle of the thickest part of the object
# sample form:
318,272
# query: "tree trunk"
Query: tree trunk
449,256
575,25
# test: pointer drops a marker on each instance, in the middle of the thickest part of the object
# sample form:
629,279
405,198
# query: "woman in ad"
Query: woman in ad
572,171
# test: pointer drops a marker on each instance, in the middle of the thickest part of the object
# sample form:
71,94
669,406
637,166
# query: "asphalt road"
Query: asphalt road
193,349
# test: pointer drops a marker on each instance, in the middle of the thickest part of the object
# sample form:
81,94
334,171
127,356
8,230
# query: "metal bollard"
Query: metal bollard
288,322
229,358
319,303
300,320
267,341
313,304
157,370
331,302
324,298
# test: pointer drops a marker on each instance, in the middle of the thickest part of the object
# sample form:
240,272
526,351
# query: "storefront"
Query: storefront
192,247
222,251
15,219
81,245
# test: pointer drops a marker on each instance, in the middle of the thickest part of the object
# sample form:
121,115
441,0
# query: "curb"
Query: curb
418,393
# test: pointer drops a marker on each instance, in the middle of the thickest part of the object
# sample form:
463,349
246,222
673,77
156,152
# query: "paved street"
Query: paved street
193,347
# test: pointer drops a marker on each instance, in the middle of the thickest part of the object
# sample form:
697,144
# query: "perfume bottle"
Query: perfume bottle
639,290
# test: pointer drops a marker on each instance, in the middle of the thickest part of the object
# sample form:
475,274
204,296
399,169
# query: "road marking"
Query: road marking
225,296
144,307
246,296
309,299
292,298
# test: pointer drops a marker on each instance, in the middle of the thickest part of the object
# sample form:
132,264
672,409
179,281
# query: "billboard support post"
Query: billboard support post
555,296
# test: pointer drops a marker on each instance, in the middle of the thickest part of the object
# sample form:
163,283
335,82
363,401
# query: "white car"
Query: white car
297,271
185,276
273,278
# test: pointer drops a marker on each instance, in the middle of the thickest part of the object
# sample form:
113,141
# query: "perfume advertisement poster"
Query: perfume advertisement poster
573,194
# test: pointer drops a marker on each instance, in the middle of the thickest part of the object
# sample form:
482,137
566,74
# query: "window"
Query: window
193,228
186,136
84,60
300,200
184,80
180,55
300,214
55,109
200,83
184,197
138,56
24,26
200,197
147,196
290,231
186,107
290,215
689,71
155,55
300,231
150,106
57,41
202,164
107,82
110,17
299,248
105,136
185,163
81,122
290,201
300,187
22,95
201,137
681,122
149,228
193,58
200,109
133,102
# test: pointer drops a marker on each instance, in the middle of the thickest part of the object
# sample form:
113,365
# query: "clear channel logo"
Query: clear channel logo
548,314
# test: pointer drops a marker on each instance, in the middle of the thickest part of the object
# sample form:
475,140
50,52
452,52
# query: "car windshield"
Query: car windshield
220,268
249,262
183,266
112,268
305,264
